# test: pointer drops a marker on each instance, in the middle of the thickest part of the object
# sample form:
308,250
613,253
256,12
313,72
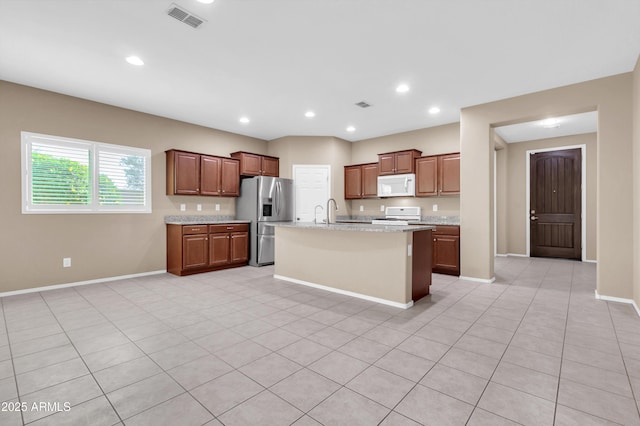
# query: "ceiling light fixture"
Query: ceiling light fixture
134,60
434,110
351,129
550,123
403,88
309,114
244,120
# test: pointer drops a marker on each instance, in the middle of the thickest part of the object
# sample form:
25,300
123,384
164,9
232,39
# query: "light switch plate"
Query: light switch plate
66,262
183,207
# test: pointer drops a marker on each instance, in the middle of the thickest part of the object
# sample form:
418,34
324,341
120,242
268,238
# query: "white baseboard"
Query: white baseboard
590,261
346,293
517,255
501,255
96,281
619,300
478,280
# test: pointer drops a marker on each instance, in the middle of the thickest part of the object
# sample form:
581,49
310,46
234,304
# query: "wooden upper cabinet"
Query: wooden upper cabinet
190,173
361,181
399,162
230,177
449,173
183,173
270,166
370,180
426,176
210,175
438,175
256,164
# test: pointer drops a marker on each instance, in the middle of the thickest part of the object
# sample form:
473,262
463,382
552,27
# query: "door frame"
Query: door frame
294,169
583,195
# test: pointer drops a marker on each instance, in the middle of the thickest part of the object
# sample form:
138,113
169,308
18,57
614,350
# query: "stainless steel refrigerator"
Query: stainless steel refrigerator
264,199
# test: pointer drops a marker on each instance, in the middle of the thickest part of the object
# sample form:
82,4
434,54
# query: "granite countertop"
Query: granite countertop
362,227
201,220
425,220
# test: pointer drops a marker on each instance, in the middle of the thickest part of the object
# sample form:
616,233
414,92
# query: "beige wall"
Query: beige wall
502,168
516,190
100,245
431,141
636,180
612,98
300,150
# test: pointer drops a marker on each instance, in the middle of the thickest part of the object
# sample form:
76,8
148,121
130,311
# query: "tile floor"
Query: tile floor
238,347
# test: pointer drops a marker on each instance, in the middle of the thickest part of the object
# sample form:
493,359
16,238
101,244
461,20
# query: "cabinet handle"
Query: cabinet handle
230,228
434,240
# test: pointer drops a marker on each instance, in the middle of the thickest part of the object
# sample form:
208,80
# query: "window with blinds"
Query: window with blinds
63,175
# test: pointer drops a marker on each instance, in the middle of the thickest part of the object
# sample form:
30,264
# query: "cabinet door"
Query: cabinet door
370,180
352,182
386,164
426,176
239,247
449,174
446,254
250,164
210,175
195,251
404,162
218,249
270,166
230,177
187,173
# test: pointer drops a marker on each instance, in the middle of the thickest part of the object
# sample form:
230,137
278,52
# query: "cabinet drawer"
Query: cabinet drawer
194,229
232,227
447,230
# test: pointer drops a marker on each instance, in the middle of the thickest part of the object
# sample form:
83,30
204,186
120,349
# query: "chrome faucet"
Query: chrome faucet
328,212
315,213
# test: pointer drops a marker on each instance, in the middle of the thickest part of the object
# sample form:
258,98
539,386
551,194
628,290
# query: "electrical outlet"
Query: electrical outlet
183,207
361,208
66,262
435,207
382,208
217,207
199,207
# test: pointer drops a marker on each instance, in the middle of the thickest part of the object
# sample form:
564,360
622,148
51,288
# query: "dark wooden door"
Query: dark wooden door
555,216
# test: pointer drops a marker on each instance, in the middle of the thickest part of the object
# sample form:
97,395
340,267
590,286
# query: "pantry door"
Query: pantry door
312,188
556,204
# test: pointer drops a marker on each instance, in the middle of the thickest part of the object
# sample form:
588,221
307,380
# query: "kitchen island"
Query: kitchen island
381,263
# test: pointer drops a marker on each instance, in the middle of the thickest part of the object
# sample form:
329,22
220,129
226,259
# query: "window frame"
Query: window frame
94,149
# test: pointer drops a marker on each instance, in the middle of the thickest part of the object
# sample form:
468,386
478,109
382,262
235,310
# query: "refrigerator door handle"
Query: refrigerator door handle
278,198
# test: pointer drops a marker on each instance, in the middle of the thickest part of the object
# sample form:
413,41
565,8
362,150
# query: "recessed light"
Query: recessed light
434,110
309,114
206,1
351,129
403,88
244,120
134,60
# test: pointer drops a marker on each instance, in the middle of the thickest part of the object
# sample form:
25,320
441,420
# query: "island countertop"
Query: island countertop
361,227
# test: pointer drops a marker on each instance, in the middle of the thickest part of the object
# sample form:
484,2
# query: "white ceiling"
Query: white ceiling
273,60
552,127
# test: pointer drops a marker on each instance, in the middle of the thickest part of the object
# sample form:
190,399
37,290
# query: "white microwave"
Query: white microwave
397,185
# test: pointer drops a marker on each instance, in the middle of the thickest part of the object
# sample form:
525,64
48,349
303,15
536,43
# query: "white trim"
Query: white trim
96,281
501,255
346,293
478,280
495,202
517,255
590,261
618,300
583,187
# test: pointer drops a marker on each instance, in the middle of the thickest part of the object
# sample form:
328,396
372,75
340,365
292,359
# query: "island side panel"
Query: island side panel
421,264
370,263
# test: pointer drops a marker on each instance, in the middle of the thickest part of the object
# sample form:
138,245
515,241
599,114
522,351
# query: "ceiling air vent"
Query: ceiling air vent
183,15
363,104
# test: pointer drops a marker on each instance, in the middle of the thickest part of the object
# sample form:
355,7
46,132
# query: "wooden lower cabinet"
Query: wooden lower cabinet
192,249
446,250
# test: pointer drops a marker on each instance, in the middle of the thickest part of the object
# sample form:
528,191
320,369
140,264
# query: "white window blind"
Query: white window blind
63,175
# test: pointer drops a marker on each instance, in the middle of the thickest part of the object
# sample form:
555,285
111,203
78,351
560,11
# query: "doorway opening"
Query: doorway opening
312,185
